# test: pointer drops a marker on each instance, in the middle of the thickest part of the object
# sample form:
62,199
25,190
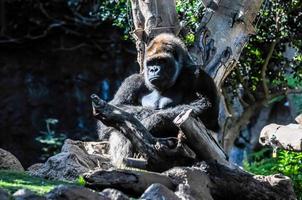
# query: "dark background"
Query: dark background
51,60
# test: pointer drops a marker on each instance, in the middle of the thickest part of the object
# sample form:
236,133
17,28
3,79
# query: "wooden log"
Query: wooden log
131,182
200,139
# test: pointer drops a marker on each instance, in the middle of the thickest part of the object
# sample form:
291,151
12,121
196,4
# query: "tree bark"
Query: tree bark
129,181
222,36
219,42
200,139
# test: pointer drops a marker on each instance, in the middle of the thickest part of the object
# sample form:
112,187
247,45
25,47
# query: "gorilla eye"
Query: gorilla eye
157,61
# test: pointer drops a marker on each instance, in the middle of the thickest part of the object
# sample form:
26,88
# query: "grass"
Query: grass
12,181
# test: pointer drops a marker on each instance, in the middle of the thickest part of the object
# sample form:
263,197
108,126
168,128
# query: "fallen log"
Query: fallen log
129,181
200,139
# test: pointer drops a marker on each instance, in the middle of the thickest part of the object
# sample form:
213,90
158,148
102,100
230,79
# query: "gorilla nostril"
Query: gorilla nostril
154,69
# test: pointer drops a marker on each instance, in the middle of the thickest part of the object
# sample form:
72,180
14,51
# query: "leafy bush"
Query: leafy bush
286,162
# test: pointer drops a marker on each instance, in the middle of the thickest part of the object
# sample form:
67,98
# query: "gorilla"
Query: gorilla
170,84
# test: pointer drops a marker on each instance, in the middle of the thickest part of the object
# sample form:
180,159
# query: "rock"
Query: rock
35,167
75,159
25,194
64,192
299,119
4,195
9,162
183,192
193,182
285,137
158,191
277,180
114,194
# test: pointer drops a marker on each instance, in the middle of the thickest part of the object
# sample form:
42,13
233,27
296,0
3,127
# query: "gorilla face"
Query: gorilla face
161,71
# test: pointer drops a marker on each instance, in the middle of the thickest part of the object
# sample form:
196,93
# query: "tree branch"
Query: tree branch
264,67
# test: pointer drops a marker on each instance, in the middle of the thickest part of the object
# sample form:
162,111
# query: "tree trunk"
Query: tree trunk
224,30
222,36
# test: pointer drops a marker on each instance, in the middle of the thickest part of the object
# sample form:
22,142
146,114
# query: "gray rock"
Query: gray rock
25,194
75,159
159,192
35,167
9,162
4,195
113,194
193,182
64,192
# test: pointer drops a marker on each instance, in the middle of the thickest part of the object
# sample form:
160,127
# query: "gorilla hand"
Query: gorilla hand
161,122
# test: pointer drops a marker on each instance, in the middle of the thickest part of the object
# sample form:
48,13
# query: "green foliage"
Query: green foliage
13,181
51,140
81,181
190,13
116,12
279,21
262,163
287,162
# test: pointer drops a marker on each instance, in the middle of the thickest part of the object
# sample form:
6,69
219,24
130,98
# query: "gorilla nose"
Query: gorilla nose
154,70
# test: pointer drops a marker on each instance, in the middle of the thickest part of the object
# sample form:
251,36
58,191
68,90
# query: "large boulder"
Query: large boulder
9,162
287,137
75,159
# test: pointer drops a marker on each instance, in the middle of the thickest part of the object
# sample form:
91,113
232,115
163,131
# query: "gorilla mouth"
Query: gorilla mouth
154,78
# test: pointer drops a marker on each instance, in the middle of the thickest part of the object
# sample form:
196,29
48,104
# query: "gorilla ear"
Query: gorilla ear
185,58
189,60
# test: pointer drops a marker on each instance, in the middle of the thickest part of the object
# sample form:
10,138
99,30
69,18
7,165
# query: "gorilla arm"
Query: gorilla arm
128,93
128,97
161,122
205,105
